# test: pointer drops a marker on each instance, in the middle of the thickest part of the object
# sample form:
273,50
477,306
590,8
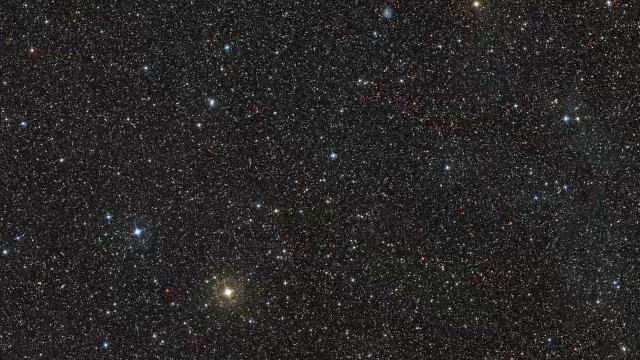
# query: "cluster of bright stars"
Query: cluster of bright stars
137,231
566,119
388,13
7,251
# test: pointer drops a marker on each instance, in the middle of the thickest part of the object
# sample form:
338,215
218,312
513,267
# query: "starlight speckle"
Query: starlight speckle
317,179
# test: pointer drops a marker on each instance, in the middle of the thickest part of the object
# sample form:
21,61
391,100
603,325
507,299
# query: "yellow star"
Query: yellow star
228,292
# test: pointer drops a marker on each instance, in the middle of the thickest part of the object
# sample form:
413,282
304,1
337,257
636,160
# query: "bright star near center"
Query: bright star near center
228,292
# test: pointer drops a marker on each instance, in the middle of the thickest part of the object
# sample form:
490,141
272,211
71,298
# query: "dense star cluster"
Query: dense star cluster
320,179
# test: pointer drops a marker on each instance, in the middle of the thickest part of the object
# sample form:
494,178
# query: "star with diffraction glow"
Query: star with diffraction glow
228,292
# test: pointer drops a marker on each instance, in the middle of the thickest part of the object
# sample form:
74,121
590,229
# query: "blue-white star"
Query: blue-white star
212,102
137,231
227,48
333,155
387,12
5,252
105,345
108,217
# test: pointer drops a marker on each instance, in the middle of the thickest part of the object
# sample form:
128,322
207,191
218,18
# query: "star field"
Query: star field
320,180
